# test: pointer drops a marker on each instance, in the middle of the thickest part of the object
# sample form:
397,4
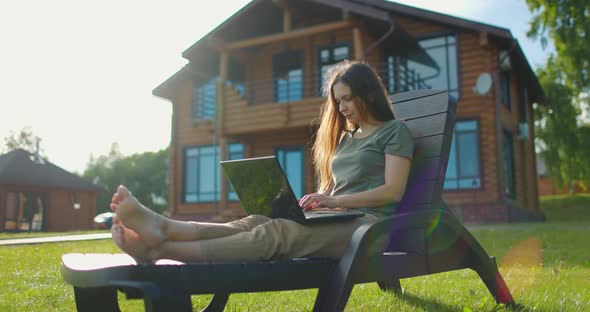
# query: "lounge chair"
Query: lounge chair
423,237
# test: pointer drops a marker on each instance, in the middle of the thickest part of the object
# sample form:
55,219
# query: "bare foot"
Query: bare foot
129,241
148,225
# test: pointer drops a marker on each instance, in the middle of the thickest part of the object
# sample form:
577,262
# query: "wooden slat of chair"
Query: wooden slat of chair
419,103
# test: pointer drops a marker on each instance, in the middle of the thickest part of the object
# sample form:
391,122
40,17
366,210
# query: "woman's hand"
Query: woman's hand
317,200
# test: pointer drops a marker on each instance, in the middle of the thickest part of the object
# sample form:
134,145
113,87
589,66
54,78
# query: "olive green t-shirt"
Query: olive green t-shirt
359,164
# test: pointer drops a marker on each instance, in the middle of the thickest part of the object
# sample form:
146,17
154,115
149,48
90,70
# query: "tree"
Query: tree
567,24
145,174
557,128
25,139
565,79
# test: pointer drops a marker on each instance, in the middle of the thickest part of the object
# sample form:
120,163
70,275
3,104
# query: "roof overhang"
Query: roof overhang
166,89
22,168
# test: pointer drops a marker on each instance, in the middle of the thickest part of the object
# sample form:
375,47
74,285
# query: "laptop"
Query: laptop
262,188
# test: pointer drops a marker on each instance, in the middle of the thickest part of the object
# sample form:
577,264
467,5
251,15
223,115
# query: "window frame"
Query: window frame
217,177
447,64
300,55
292,148
457,57
478,152
510,189
217,192
319,63
505,89
198,109
229,157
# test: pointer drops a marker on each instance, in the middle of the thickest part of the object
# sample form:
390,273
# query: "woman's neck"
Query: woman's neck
366,128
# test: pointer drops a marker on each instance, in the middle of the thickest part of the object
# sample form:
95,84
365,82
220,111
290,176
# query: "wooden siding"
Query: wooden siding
242,118
61,215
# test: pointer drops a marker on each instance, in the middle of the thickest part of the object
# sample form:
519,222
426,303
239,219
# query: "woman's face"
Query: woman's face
346,102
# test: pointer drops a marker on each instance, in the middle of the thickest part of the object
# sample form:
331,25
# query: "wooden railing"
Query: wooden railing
292,100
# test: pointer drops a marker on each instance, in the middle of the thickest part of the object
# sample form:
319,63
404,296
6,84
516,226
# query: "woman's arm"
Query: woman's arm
397,170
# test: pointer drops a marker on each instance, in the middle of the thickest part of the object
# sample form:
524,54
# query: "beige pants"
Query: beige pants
258,237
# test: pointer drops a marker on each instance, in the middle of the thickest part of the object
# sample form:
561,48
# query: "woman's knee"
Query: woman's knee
283,237
248,223
256,219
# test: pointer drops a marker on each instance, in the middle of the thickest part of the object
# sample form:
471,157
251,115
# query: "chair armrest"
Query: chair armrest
368,241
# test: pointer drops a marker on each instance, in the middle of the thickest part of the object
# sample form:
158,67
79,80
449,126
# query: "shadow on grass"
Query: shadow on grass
435,305
424,303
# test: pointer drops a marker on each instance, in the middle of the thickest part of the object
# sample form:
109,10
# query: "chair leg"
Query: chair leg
168,302
96,299
156,298
392,285
495,283
333,298
217,303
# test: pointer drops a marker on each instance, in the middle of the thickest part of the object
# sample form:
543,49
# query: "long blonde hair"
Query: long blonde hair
370,97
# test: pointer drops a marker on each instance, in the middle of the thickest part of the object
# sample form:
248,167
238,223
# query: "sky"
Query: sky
80,73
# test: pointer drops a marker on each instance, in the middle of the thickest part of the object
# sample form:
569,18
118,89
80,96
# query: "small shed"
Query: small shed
36,195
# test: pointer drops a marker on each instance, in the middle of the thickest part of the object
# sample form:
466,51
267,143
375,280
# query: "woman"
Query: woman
362,158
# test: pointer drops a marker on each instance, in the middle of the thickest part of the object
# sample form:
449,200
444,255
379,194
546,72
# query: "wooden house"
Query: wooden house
36,195
252,87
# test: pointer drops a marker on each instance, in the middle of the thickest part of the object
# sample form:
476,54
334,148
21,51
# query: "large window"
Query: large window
291,159
463,170
288,76
329,56
509,176
24,211
202,182
404,75
204,99
234,151
505,88
202,174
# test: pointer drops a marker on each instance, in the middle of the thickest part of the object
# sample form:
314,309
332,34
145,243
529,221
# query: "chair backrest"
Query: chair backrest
430,116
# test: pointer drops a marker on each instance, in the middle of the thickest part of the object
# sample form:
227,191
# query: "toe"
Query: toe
123,192
115,199
116,234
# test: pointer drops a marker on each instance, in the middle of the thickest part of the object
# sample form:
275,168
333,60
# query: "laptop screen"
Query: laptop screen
262,187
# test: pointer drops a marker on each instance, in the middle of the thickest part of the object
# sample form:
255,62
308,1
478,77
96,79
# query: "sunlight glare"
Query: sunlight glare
521,265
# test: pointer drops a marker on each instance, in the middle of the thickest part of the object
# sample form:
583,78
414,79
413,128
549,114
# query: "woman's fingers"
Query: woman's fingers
315,200
307,200
310,204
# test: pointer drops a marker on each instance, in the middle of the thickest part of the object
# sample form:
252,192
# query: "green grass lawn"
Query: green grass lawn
45,234
546,266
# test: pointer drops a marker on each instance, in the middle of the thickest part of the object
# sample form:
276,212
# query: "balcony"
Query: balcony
293,101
